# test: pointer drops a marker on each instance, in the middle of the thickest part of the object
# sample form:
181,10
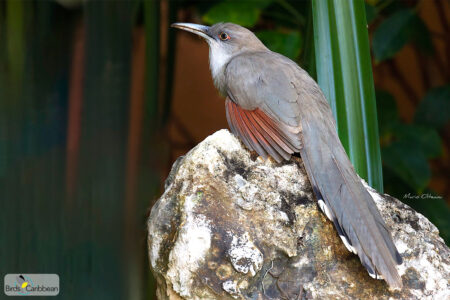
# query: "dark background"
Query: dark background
98,98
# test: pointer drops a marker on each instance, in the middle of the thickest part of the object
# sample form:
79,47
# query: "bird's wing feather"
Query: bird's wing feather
259,132
274,85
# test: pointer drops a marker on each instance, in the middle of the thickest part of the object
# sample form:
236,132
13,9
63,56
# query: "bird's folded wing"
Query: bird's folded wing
259,132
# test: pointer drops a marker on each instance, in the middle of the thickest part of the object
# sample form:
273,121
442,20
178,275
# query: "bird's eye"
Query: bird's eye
223,36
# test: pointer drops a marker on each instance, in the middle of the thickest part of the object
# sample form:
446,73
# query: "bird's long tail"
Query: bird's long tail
345,200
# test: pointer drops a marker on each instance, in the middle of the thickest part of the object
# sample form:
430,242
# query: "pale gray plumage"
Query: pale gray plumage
255,78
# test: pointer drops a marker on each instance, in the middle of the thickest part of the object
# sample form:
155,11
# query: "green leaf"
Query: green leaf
408,162
371,12
425,138
344,73
287,43
245,13
396,31
421,36
434,110
387,112
394,185
308,56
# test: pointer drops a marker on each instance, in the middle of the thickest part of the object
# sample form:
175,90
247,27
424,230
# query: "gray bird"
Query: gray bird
277,109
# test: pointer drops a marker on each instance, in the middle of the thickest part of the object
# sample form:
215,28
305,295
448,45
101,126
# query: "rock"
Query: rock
232,226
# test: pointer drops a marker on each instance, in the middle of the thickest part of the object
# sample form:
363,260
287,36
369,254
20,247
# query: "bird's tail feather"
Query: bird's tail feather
349,204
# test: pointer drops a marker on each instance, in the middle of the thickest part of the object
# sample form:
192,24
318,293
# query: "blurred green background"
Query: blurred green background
98,98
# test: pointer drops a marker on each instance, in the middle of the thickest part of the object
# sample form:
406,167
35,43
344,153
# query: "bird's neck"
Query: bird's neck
218,59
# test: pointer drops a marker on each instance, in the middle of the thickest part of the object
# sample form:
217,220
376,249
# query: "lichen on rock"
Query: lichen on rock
232,226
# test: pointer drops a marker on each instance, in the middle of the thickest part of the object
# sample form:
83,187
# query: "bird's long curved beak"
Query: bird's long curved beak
197,29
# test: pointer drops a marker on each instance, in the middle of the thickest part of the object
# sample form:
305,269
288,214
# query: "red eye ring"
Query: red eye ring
223,36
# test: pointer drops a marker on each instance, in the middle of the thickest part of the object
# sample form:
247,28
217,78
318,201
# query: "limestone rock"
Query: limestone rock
232,226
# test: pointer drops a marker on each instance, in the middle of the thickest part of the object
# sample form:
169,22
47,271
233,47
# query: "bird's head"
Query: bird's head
230,37
225,41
